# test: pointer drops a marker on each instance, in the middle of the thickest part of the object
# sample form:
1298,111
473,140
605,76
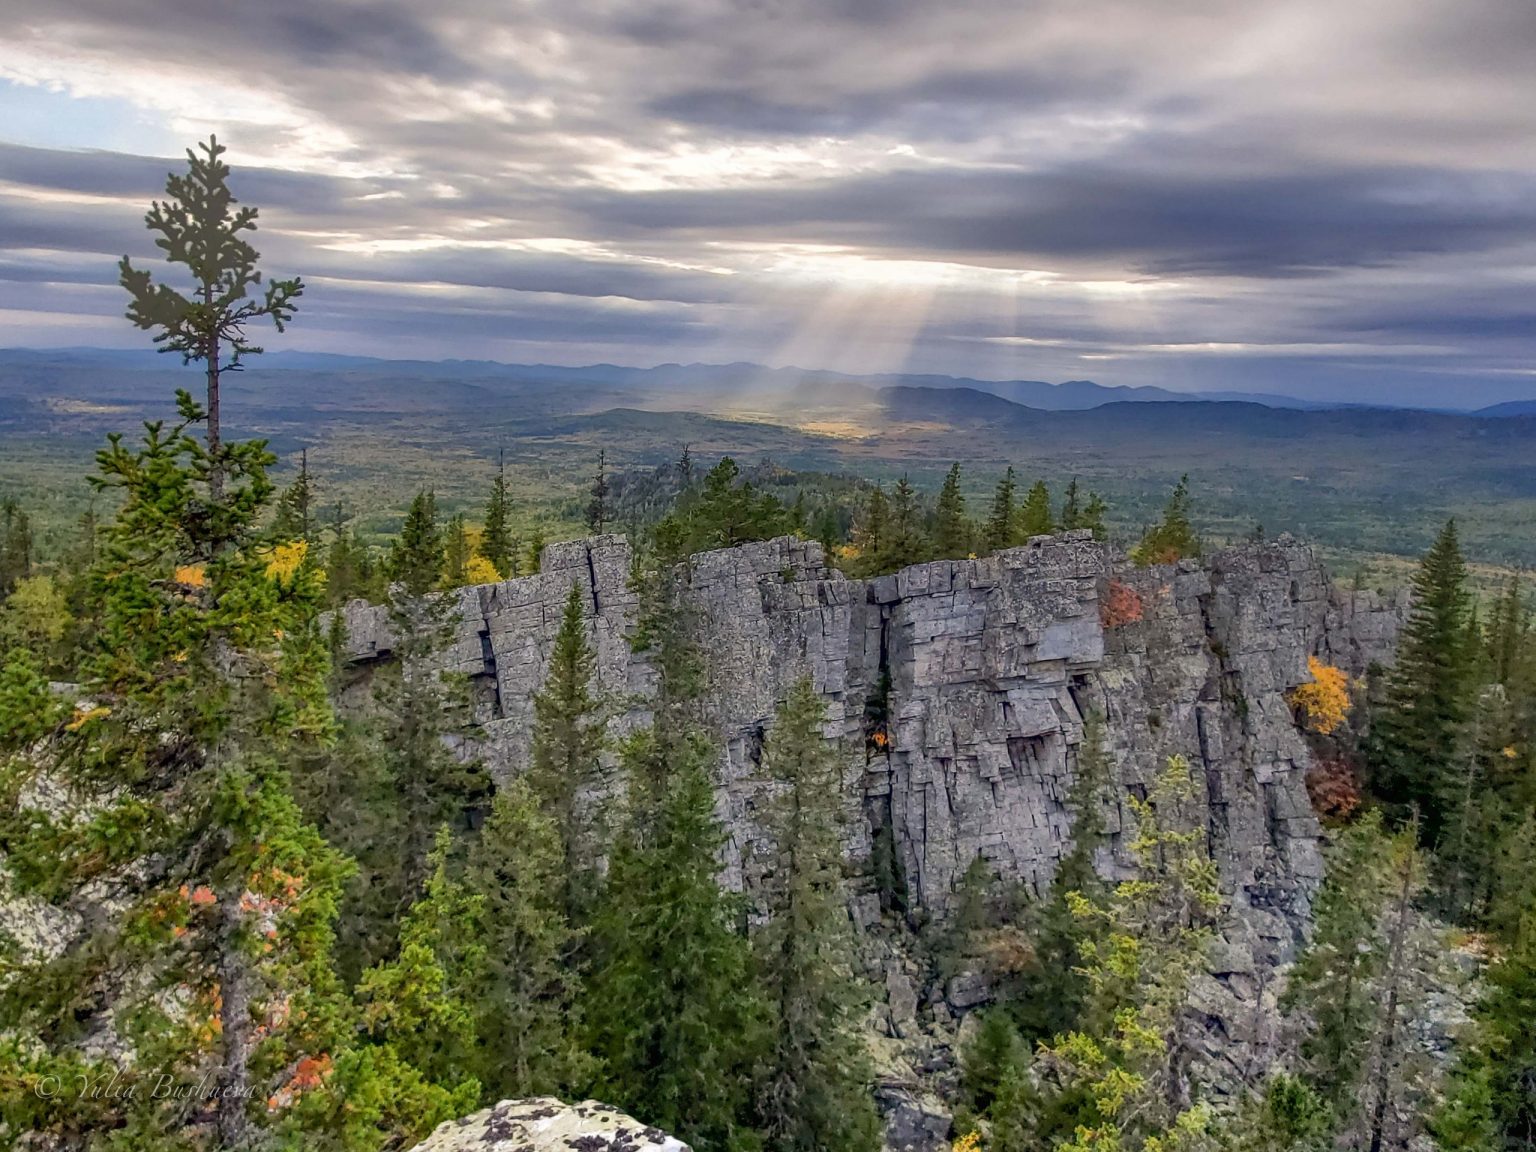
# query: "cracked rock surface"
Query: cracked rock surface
957,692
544,1124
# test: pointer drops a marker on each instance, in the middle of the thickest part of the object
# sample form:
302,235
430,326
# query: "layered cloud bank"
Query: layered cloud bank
1336,201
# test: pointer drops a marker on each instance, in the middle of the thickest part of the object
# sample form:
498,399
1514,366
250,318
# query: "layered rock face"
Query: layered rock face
958,691
959,688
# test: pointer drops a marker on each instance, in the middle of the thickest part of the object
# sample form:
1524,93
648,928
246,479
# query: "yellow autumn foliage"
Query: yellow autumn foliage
192,575
84,715
1324,703
479,570
970,1142
286,559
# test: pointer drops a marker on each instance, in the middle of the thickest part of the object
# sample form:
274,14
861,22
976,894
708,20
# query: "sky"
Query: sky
1324,199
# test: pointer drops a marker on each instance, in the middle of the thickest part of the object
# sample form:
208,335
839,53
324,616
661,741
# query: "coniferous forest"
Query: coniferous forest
289,901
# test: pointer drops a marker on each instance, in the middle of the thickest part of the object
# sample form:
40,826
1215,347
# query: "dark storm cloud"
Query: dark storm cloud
1181,173
378,35
1158,220
950,104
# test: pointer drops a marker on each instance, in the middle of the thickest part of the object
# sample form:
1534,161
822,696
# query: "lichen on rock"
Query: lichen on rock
544,1124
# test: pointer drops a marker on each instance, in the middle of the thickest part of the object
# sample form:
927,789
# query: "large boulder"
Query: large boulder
544,1124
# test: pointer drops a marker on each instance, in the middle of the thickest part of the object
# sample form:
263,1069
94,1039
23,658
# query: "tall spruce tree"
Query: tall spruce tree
416,557
1002,520
1505,1014
295,518
1071,507
1360,983
815,1093
728,510
597,506
1396,1074
673,1012
1035,517
533,561
1336,979
951,530
1417,735
909,543
1173,537
419,707
210,955
15,546
421,1002
497,543
456,553
527,997
200,229
873,532
350,570
1051,993
1078,513
1093,516
567,737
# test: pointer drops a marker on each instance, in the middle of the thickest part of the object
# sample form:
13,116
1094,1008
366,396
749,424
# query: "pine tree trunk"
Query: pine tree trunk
215,461
235,1029
1388,1048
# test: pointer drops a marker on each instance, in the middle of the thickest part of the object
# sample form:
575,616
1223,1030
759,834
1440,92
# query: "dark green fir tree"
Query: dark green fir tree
1173,537
909,543
1418,733
673,1013
597,505
456,553
416,557
497,543
815,1084
527,998
295,518
1035,518
951,530
567,737
1002,520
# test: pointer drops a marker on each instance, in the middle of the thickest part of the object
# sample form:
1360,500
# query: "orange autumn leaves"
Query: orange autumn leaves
310,1072
1323,704
1121,605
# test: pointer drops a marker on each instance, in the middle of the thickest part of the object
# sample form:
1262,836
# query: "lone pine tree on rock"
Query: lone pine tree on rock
200,228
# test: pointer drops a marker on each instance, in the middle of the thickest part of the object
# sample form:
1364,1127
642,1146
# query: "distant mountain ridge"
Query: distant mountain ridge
739,377
741,380
1511,408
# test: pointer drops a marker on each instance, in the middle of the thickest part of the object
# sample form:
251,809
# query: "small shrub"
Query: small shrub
1334,790
1322,705
1121,605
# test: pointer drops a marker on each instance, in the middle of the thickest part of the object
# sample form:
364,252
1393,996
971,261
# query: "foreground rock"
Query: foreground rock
544,1124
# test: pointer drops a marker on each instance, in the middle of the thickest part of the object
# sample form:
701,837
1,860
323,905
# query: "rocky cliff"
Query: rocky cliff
958,692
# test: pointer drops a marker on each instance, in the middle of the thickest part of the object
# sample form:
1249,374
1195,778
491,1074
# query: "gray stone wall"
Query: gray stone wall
958,692
992,665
